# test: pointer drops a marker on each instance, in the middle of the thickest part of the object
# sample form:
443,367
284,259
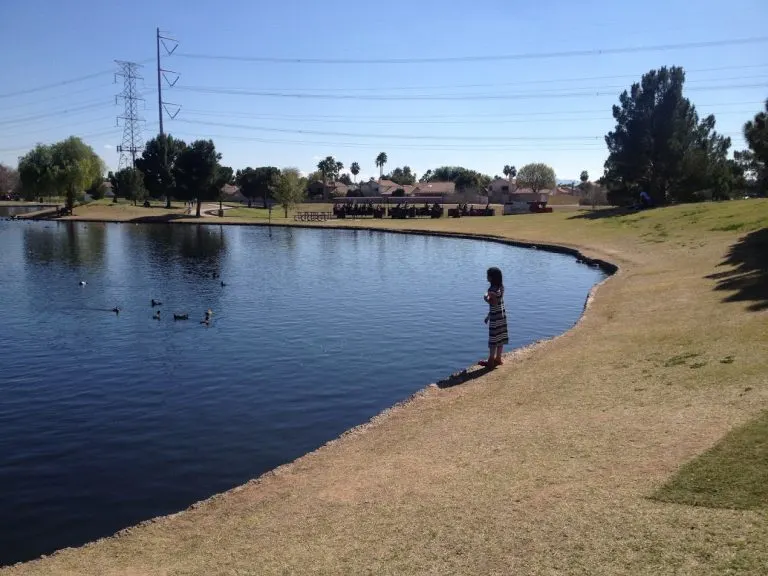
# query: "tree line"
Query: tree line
168,168
659,145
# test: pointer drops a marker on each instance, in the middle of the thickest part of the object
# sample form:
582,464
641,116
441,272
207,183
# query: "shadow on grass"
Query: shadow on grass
747,278
733,474
462,377
161,218
603,213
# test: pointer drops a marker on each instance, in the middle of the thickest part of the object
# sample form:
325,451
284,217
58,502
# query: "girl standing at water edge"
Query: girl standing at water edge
496,319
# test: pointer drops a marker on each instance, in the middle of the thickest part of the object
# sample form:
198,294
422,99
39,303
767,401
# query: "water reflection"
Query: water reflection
195,249
68,243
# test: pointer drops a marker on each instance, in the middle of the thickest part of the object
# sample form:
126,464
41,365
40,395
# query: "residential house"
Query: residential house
499,189
423,189
318,190
232,193
521,199
370,188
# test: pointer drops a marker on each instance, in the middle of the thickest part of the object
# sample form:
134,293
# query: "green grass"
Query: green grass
124,202
733,474
253,213
258,213
711,216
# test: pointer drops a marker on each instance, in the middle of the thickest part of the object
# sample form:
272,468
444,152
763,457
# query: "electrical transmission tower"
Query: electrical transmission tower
132,138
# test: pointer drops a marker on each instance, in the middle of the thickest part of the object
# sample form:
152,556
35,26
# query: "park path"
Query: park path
211,209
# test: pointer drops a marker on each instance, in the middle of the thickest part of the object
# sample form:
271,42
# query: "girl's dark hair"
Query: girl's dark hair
494,276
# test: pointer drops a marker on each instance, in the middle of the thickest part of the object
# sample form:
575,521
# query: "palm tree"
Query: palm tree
355,169
584,176
381,159
510,172
326,166
330,169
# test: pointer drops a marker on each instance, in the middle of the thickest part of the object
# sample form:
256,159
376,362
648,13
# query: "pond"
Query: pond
111,418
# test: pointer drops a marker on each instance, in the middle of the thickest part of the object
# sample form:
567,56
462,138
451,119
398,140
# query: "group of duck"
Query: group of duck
206,319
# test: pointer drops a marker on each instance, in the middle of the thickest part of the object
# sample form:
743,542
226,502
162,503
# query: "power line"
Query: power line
55,84
495,121
406,117
69,110
57,97
441,137
529,82
584,92
77,124
83,136
488,58
61,83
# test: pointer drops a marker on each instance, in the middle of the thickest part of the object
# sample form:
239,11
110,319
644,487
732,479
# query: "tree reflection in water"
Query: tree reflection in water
67,243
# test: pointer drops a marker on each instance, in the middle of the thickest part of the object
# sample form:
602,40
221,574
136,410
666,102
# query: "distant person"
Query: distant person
496,319
645,199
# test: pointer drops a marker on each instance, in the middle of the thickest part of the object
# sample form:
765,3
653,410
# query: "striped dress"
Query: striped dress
497,321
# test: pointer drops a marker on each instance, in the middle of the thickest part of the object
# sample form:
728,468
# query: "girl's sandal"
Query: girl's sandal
499,363
487,364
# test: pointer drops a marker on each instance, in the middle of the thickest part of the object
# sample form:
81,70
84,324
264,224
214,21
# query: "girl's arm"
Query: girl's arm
491,297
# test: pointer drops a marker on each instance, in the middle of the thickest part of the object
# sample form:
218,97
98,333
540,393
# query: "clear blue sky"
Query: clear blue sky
555,110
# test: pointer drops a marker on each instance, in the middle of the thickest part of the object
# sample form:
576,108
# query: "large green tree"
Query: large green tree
755,160
37,172
128,183
64,168
258,182
402,176
659,143
536,176
157,164
224,176
463,178
77,166
381,159
195,172
290,189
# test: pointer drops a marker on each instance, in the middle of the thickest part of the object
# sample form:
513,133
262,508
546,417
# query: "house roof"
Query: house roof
230,190
389,190
529,191
429,188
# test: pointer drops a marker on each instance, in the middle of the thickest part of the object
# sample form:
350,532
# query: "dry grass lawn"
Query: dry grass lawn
548,465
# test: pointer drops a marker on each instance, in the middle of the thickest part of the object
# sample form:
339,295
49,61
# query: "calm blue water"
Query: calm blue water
106,419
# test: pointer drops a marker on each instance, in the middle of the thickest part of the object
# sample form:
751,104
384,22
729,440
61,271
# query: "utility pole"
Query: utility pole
132,141
161,104
159,86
